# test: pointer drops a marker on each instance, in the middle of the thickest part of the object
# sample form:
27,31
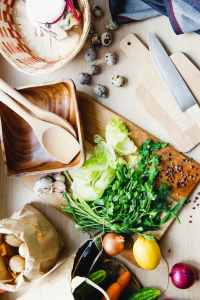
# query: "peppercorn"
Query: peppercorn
196,198
196,174
193,208
187,160
198,193
183,159
191,167
190,221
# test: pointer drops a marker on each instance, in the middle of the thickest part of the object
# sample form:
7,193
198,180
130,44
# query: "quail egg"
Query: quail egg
111,25
106,39
96,41
100,90
90,54
117,80
93,70
96,10
92,29
83,78
110,58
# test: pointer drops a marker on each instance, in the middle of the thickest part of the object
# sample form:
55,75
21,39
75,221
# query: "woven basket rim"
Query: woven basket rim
63,62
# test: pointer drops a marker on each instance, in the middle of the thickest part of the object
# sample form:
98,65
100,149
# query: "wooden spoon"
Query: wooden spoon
40,113
58,142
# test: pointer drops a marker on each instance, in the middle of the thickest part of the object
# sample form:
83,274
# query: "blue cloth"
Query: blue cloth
184,15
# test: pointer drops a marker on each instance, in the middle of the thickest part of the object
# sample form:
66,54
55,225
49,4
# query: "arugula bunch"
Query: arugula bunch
132,203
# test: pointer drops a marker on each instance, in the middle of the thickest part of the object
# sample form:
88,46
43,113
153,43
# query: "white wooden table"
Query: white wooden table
183,240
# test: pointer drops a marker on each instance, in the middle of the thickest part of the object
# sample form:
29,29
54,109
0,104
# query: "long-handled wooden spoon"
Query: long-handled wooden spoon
58,142
40,113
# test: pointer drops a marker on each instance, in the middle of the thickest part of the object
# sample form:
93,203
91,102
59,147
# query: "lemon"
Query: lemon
147,253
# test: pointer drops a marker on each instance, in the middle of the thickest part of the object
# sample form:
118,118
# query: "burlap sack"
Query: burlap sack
42,241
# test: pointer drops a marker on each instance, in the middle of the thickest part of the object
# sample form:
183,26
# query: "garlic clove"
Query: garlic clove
59,178
57,194
58,186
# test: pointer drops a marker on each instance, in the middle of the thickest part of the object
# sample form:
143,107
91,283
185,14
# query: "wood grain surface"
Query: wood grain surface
95,117
181,243
156,97
23,154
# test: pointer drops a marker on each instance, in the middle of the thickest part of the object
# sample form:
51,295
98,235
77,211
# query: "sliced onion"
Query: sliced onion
183,276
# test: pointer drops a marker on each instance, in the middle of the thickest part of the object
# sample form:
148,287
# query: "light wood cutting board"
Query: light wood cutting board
95,117
157,99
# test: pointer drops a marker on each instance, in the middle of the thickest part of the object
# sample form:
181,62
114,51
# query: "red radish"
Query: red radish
183,276
113,243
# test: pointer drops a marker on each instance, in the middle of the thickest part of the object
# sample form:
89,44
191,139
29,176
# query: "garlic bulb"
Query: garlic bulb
43,186
47,185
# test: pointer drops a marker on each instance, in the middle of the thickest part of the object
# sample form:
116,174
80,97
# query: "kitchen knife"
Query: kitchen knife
173,79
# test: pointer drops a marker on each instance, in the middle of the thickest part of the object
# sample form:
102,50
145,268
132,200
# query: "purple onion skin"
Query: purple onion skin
183,276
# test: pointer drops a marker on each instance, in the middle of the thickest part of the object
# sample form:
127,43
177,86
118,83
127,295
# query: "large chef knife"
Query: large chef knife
173,79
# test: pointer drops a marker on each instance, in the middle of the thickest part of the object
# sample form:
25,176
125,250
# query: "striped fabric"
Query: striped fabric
184,15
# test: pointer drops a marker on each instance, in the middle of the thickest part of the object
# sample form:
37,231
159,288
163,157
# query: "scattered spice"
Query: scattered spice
187,160
194,177
196,198
191,167
198,193
190,221
189,200
169,250
169,154
193,208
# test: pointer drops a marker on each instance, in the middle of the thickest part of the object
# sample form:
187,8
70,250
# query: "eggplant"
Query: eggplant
86,257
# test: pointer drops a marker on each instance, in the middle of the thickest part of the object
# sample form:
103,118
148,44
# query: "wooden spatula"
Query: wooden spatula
58,142
41,114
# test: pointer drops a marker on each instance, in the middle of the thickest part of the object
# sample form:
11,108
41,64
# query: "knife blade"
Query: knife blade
173,79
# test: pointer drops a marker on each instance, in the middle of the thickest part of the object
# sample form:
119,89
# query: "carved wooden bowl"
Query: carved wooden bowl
22,153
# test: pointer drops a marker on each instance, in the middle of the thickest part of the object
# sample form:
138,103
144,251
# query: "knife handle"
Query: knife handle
194,111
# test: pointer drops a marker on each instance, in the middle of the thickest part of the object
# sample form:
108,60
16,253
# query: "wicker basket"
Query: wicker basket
32,54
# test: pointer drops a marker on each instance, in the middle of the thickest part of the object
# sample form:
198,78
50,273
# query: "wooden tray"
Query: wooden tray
95,117
157,99
22,153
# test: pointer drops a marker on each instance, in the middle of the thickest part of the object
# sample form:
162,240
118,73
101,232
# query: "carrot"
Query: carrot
124,280
113,291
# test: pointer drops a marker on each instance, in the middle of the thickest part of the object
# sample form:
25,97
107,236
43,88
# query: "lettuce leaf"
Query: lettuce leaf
117,137
133,161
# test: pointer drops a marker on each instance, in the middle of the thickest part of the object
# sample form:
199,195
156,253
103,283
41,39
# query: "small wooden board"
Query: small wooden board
95,117
156,98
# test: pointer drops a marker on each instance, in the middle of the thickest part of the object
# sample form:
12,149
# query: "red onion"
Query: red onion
183,276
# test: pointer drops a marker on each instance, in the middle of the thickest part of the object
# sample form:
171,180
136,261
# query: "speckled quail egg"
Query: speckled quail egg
83,78
93,70
96,41
117,80
111,25
96,10
90,54
100,90
92,29
106,39
110,58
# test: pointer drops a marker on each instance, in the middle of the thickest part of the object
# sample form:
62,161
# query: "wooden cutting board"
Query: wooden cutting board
157,99
95,117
